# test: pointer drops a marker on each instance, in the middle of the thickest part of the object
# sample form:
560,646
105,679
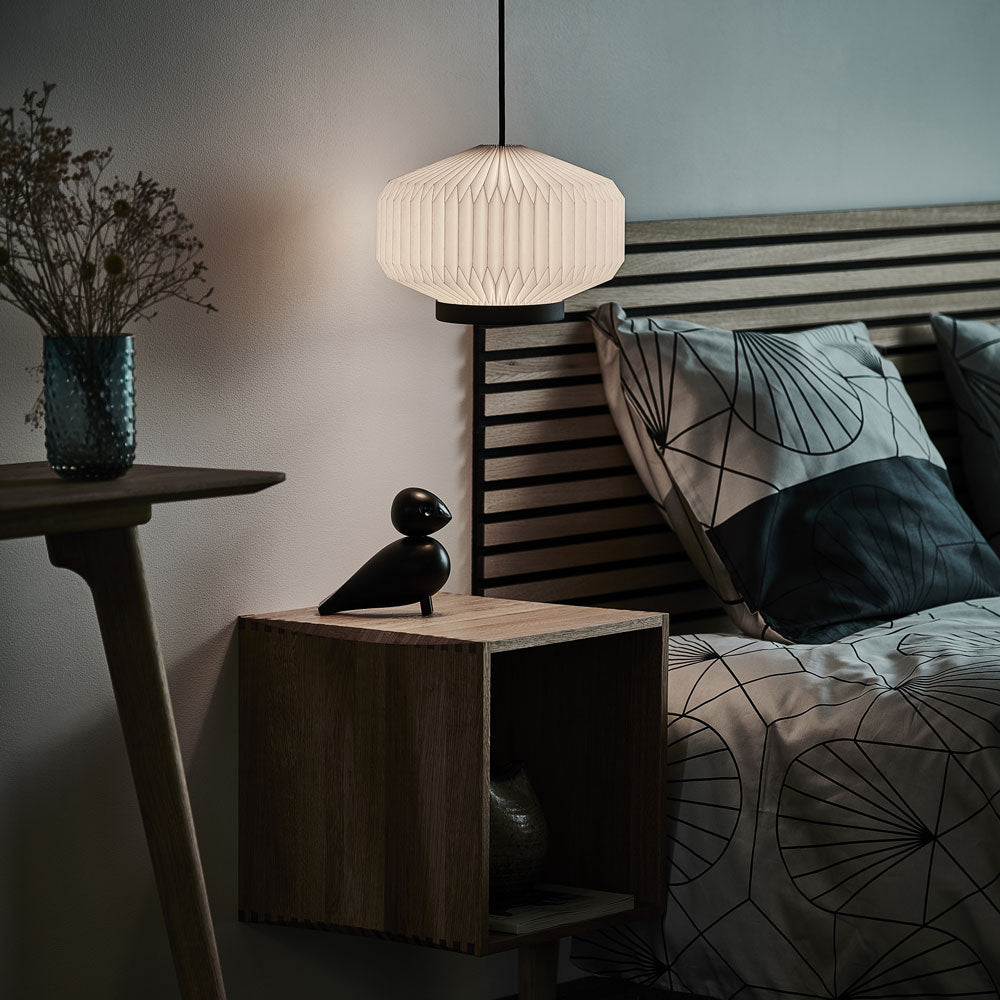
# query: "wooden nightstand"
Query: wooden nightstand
365,744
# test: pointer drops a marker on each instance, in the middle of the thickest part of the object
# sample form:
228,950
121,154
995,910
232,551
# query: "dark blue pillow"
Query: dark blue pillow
970,357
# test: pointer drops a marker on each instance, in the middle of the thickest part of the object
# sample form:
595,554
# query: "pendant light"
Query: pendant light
500,235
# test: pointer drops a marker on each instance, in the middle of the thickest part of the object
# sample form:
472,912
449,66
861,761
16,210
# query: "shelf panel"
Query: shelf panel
496,942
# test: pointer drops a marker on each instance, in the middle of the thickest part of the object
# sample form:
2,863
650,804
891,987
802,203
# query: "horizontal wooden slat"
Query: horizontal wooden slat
815,253
709,619
553,494
916,336
607,582
938,419
902,336
808,223
531,369
568,588
544,431
587,364
917,360
520,338
771,317
844,311
709,624
554,462
657,602
659,542
930,391
683,602
914,333
563,397
641,515
782,285
583,364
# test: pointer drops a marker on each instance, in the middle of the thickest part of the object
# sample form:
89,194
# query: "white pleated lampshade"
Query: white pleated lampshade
501,226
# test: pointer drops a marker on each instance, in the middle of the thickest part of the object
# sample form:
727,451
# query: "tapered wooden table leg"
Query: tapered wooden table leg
110,561
537,970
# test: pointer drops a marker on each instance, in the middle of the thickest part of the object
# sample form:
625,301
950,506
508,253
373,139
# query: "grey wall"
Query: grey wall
279,122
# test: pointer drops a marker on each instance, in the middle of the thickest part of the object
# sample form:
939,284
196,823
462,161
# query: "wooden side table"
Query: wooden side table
365,746
90,528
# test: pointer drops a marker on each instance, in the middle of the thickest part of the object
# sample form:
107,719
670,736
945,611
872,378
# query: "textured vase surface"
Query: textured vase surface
519,835
90,406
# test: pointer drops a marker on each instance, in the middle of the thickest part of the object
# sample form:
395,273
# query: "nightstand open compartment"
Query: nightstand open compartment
365,744
584,717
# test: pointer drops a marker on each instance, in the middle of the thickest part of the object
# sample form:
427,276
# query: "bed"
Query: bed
834,813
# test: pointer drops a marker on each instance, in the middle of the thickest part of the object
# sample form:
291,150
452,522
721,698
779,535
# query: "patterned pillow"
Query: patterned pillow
796,472
970,356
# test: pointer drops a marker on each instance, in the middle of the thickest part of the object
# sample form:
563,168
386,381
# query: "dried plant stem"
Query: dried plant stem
81,254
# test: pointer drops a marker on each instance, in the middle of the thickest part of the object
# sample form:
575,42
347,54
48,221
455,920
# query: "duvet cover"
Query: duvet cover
834,817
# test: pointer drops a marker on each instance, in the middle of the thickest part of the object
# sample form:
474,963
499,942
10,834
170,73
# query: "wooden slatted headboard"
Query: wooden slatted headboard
560,516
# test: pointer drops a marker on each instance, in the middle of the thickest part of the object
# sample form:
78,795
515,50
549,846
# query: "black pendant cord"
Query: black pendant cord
501,31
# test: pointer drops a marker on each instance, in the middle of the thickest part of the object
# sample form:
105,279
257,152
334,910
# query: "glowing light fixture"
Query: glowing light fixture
500,234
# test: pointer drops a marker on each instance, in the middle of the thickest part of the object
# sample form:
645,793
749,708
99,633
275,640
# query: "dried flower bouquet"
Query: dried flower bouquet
85,255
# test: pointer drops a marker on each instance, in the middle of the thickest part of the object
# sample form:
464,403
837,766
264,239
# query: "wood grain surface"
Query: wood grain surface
362,784
110,562
365,754
35,501
786,224
462,620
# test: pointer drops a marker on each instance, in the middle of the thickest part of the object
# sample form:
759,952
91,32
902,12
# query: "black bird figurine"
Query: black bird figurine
407,570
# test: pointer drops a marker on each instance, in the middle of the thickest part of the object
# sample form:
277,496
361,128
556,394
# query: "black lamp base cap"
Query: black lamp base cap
454,312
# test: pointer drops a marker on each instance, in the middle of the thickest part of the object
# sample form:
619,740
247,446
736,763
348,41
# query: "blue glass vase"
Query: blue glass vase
90,406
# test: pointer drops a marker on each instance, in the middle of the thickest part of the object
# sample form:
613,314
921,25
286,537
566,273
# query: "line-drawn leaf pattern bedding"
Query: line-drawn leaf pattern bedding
834,817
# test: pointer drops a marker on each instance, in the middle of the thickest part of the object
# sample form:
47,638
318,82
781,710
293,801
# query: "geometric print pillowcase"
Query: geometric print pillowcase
795,471
970,356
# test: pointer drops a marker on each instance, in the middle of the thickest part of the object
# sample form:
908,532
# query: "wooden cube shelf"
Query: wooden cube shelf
365,746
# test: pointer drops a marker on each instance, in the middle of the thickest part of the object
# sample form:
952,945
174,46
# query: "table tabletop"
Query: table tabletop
35,501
